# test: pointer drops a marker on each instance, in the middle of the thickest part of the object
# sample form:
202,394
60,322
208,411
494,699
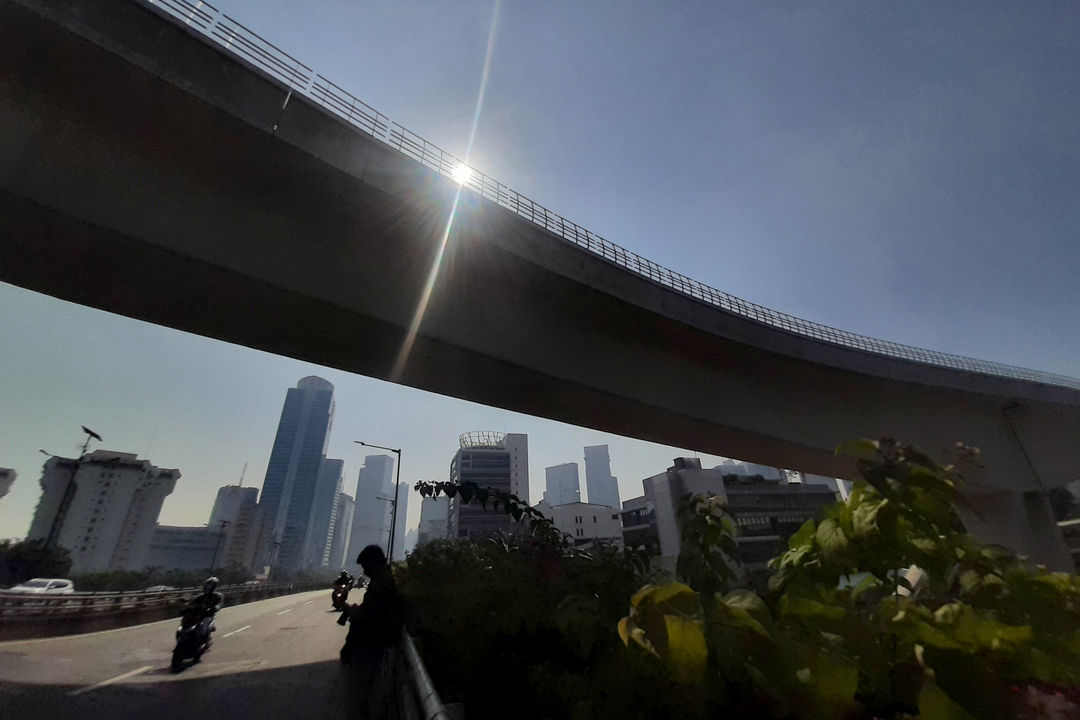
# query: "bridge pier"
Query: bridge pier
1021,521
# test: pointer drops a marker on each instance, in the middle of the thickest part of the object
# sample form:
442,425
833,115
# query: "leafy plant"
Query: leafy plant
884,608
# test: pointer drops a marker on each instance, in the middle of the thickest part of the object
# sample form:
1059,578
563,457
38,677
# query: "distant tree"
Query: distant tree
21,560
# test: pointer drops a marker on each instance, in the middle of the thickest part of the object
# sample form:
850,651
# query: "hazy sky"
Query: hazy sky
909,171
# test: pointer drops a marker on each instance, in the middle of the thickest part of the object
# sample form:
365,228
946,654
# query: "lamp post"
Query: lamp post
69,489
394,502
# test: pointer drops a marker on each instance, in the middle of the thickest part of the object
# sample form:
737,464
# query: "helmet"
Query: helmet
211,584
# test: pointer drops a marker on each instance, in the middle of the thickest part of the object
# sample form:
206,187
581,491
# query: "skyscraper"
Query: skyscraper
563,484
112,512
433,511
323,511
399,526
371,516
228,502
495,461
339,543
292,473
603,487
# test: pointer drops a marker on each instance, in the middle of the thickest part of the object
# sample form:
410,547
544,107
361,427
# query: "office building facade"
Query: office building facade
495,461
343,524
320,530
292,473
433,512
562,484
402,514
371,514
228,502
603,487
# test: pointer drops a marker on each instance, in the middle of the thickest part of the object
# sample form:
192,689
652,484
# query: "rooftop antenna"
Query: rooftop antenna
146,452
242,474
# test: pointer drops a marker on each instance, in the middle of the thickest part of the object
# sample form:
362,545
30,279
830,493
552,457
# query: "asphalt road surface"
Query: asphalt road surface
272,660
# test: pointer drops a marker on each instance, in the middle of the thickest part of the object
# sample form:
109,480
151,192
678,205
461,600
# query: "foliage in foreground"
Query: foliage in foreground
844,632
883,609
514,627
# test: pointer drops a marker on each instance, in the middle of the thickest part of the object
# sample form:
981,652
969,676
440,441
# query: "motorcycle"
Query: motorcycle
340,595
193,638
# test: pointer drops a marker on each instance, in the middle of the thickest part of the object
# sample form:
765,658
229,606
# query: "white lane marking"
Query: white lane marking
285,611
228,634
309,602
110,681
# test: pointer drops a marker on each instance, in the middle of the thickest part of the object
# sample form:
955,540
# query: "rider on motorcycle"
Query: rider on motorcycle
207,604
344,580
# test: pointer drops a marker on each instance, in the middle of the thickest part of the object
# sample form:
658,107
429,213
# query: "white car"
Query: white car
45,586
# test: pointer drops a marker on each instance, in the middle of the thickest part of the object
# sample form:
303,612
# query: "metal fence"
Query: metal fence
230,35
16,605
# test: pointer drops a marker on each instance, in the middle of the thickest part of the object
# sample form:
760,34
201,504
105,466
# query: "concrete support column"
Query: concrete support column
1022,522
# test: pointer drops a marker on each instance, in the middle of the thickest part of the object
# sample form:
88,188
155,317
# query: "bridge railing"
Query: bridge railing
14,605
235,38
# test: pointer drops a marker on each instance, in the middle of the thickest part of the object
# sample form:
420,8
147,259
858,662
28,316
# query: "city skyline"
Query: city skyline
249,384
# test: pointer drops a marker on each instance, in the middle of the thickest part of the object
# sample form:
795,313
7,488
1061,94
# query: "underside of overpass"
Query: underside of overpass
147,172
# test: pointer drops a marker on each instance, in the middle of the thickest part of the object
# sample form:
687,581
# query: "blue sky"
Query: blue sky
909,171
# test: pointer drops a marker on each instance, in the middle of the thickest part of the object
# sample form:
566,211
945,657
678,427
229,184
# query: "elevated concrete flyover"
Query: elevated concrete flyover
149,168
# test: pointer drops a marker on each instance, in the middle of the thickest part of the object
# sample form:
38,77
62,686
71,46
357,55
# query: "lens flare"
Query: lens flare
461,174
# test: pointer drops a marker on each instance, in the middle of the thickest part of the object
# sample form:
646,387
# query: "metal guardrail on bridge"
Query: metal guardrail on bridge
27,604
230,35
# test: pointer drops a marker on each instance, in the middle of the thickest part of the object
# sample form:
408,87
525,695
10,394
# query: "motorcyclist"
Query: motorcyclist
207,604
344,580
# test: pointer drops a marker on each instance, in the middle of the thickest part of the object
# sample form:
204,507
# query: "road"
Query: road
273,659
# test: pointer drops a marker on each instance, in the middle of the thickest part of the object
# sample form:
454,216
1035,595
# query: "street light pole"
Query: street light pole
394,502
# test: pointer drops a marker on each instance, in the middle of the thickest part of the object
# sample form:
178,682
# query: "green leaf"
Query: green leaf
738,609
687,652
934,704
864,517
804,537
862,449
830,537
863,585
805,607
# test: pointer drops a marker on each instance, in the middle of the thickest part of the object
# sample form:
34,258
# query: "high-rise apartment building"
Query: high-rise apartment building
113,504
603,487
292,474
371,515
433,512
562,484
495,461
343,523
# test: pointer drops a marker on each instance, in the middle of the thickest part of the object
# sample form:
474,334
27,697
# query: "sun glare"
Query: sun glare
461,174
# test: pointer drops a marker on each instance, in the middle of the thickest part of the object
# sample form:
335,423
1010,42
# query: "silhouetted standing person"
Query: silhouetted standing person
375,624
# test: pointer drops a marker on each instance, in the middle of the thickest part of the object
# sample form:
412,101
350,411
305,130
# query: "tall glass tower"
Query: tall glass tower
292,474
602,485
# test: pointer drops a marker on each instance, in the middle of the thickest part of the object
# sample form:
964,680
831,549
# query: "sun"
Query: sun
461,174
